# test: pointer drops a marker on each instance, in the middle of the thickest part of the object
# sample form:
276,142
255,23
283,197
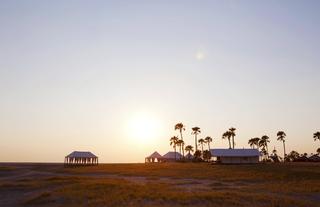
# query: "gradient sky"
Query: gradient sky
77,75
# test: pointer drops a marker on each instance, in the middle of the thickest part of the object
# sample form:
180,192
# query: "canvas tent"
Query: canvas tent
154,157
171,156
236,156
81,158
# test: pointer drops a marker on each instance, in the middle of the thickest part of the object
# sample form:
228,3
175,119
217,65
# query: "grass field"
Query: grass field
165,184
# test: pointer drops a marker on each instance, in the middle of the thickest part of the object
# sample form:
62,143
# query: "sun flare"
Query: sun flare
143,127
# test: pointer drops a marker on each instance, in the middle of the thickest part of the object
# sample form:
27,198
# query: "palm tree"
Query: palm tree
201,142
206,155
265,140
264,152
274,156
180,127
227,135
256,141
195,131
232,134
281,137
189,149
318,151
197,155
251,143
316,136
274,151
173,141
208,140
180,143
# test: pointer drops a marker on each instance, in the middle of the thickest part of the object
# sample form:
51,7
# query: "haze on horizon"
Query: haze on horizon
115,77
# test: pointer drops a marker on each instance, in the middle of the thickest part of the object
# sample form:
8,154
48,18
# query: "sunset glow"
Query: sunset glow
143,128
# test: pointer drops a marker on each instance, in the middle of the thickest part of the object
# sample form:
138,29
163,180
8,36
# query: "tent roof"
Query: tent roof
170,155
80,154
235,152
155,155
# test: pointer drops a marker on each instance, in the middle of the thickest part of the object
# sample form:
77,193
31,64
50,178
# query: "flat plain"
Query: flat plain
160,184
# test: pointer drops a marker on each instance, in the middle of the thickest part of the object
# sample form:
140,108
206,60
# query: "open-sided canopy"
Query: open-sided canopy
79,154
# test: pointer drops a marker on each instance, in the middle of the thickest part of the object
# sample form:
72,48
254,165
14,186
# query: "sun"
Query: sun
200,55
143,127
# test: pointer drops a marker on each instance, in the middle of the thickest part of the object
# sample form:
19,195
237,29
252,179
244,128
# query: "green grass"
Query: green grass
168,184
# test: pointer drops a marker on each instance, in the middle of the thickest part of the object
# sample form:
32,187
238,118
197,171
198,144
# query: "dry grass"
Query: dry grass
169,184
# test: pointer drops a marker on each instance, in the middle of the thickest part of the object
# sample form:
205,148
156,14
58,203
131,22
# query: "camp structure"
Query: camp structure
171,157
189,156
314,158
81,158
154,157
235,156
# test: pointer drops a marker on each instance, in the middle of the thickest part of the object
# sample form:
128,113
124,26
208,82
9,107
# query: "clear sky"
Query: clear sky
113,77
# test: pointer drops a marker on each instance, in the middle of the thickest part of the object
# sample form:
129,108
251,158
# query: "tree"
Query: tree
173,141
251,143
265,139
206,155
232,134
180,143
281,137
227,135
208,140
318,151
201,142
197,155
189,148
316,136
293,155
180,127
256,141
274,151
274,156
195,132
264,153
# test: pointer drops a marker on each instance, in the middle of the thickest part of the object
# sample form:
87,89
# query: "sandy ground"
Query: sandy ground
13,191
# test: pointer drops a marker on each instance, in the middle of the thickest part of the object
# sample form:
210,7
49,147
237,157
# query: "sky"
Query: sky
114,77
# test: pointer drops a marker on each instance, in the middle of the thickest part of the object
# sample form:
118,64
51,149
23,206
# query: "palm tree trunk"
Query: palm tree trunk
175,152
232,142
183,150
195,141
183,144
209,146
284,151
229,144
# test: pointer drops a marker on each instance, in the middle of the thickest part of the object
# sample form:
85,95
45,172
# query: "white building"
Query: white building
235,156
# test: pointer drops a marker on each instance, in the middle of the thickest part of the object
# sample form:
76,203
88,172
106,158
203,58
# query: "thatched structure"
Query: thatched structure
154,157
81,158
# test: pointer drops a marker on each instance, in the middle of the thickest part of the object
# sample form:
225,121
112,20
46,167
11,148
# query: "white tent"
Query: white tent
171,156
153,157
